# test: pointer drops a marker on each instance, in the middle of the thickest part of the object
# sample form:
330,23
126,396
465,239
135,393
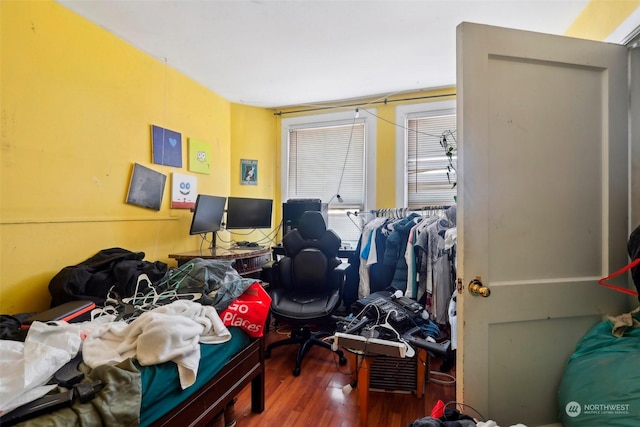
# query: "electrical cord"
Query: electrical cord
346,157
354,383
449,379
482,418
268,238
404,127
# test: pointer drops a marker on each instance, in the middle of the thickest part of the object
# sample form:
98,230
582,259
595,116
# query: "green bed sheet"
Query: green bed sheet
161,390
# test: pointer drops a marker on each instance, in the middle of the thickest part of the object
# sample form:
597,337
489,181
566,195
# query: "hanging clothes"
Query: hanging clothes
410,252
439,265
395,250
367,255
424,278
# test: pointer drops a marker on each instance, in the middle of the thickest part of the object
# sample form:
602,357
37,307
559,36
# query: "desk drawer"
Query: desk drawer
251,265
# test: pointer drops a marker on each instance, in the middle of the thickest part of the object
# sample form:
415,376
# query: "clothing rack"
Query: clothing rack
403,212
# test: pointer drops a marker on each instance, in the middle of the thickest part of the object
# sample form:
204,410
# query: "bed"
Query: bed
151,396
245,367
155,394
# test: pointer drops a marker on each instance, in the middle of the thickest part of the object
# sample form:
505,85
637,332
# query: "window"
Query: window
326,157
428,156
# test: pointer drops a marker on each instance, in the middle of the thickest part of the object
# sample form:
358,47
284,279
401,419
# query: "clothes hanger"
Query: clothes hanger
409,351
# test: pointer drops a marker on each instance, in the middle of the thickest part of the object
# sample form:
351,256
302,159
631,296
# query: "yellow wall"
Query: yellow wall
76,108
254,137
601,17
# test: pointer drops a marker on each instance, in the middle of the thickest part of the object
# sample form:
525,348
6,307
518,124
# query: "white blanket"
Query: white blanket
26,367
167,333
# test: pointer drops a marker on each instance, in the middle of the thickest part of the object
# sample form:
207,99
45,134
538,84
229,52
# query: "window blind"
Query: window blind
325,161
430,172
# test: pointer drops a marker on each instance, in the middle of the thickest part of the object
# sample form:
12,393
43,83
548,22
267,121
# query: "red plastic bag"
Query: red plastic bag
249,311
438,409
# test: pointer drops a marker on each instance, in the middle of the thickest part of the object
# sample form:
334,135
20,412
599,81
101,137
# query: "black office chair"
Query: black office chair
308,284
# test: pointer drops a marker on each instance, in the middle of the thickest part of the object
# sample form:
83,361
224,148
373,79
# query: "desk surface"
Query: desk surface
221,253
247,261
342,253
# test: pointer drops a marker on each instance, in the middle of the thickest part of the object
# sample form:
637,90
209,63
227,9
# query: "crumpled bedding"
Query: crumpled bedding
117,404
168,333
170,330
26,367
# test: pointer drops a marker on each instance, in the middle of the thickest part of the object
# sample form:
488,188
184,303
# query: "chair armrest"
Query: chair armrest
342,268
268,272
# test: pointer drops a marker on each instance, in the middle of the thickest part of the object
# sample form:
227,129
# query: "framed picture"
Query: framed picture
184,191
146,187
248,172
199,156
166,146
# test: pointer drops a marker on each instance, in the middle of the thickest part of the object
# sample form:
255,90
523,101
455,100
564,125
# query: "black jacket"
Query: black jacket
93,278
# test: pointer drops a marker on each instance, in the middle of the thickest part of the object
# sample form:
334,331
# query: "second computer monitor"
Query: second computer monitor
244,212
207,214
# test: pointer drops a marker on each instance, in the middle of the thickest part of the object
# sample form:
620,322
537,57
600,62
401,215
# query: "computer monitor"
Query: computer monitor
207,215
245,212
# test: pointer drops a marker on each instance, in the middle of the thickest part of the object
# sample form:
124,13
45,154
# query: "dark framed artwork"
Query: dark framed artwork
146,187
248,172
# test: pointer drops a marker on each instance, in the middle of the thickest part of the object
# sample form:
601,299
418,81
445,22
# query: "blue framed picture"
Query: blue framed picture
167,146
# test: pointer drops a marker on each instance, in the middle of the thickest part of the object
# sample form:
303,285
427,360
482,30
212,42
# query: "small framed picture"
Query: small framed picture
184,191
248,172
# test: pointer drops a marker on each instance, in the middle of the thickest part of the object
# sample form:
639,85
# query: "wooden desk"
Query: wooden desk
360,372
247,261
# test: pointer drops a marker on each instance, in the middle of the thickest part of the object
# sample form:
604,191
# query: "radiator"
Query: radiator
394,374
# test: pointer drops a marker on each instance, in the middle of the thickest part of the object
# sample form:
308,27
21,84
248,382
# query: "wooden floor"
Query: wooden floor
316,398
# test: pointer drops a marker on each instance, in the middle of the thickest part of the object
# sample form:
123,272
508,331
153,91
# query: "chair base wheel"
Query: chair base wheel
342,360
296,372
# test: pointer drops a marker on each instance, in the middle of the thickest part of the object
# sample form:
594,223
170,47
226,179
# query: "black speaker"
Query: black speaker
293,209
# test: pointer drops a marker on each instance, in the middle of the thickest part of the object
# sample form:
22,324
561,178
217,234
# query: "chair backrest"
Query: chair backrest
311,255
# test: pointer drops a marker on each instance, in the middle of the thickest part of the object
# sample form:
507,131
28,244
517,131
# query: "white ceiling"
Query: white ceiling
275,53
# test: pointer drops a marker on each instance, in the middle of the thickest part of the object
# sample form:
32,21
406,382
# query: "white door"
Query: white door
542,210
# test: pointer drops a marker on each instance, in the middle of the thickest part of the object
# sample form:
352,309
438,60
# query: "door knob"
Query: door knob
476,288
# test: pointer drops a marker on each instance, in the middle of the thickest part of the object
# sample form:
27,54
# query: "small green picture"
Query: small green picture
199,156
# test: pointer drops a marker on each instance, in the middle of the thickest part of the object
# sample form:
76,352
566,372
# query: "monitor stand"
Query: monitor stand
214,239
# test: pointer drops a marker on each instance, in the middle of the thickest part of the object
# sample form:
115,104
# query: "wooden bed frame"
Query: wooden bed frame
244,368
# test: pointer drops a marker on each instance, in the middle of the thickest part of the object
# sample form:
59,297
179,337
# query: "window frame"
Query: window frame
403,114
333,119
